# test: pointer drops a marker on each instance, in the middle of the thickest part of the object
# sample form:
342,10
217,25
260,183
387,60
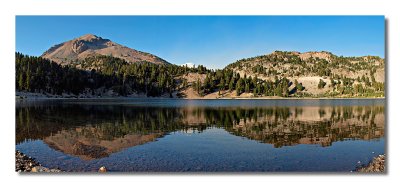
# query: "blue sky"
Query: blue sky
214,41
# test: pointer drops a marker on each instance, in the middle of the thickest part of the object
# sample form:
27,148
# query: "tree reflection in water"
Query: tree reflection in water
95,131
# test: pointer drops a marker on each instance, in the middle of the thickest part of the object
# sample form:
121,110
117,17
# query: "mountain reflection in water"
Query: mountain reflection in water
92,131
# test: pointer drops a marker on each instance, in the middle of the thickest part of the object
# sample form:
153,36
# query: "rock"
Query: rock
376,165
24,163
102,169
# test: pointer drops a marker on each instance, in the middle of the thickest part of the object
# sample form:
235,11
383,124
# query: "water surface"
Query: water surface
201,135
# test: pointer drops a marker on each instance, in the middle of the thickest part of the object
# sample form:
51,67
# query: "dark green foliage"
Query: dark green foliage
299,86
35,74
239,87
333,82
321,84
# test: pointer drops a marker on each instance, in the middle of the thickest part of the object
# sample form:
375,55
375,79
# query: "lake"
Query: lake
172,135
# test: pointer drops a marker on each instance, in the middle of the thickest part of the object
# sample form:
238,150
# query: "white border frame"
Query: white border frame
9,9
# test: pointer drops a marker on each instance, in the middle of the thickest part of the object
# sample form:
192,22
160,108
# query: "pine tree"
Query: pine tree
28,80
185,83
239,87
321,84
221,85
198,86
247,87
232,84
21,82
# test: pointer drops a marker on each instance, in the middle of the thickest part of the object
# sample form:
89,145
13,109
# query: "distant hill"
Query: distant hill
90,45
296,64
310,68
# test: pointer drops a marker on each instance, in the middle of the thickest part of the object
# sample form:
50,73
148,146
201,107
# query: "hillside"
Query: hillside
97,76
318,73
90,45
276,75
293,74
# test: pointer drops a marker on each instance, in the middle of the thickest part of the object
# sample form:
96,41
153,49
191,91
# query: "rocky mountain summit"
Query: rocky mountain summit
90,45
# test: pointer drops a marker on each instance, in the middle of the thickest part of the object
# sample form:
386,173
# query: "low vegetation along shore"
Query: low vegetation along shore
24,163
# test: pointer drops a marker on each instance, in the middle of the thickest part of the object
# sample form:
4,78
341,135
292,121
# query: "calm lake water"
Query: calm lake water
201,135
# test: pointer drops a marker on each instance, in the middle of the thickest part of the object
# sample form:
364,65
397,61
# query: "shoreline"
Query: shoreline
38,96
162,98
376,165
24,163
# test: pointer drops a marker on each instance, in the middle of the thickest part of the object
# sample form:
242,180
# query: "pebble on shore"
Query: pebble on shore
102,169
377,165
24,163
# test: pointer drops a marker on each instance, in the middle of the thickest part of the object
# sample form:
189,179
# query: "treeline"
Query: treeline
364,87
226,79
96,76
289,64
99,74
298,66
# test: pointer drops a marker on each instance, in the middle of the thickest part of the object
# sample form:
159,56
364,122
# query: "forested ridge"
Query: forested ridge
36,74
282,74
319,73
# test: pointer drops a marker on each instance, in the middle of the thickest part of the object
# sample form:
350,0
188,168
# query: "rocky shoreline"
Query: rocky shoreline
24,163
376,165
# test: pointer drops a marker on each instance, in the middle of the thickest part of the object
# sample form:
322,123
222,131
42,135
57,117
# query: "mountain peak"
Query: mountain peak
91,45
89,37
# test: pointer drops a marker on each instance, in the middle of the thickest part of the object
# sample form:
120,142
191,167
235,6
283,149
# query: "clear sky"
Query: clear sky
213,41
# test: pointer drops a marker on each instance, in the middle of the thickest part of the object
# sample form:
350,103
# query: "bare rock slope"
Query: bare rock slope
91,45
